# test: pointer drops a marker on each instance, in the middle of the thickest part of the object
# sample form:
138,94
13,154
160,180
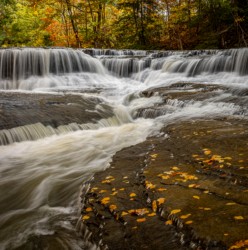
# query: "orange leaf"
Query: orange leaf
168,222
175,211
141,220
160,201
154,206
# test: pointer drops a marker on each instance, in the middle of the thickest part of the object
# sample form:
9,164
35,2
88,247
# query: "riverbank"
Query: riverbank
185,189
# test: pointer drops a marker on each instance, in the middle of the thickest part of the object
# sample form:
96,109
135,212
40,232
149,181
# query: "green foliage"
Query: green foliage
139,24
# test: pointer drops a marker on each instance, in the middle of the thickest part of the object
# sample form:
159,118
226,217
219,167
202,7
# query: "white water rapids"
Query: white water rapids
40,180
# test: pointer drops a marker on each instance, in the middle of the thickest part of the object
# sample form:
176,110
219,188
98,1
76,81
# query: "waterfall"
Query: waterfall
18,64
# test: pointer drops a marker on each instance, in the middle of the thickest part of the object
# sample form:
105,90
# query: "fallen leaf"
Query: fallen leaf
238,217
206,192
227,158
149,185
114,193
175,211
141,220
112,207
189,222
134,228
196,197
191,185
125,177
207,152
175,168
124,213
207,208
88,209
160,201
154,156
109,177
154,206
239,244
168,222
151,214
132,195
122,189
231,203
195,156
102,191
105,200
161,189
185,216
85,217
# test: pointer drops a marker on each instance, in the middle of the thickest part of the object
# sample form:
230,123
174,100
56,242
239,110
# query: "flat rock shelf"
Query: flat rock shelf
184,189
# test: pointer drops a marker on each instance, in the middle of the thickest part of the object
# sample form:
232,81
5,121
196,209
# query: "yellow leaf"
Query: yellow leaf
185,216
109,177
141,220
154,206
168,222
105,200
231,203
191,185
102,191
207,208
207,152
132,195
112,208
239,244
149,185
227,158
125,177
141,211
88,209
160,201
124,213
161,189
189,222
114,193
122,189
195,156
134,228
196,197
151,214
206,192
165,177
93,189
175,168
238,217
154,156
85,217
175,211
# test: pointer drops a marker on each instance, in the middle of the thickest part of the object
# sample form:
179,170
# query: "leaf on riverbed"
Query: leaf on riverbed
141,220
185,216
88,209
112,207
122,189
168,222
195,156
133,195
175,211
239,244
114,193
154,206
105,200
196,197
124,213
160,201
161,189
239,217
231,203
151,214
102,191
149,185
189,222
175,168
207,208
154,156
207,151
85,217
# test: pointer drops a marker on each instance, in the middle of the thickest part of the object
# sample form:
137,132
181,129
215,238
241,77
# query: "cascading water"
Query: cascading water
43,166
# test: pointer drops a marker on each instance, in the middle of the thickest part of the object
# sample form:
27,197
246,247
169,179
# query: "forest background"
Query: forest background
135,24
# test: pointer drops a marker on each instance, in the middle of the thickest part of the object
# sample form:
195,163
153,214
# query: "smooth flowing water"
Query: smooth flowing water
43,168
